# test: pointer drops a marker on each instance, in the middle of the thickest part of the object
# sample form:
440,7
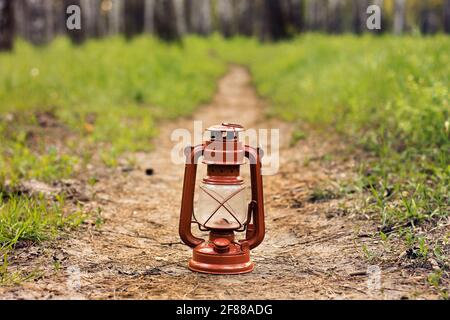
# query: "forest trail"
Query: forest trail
313,244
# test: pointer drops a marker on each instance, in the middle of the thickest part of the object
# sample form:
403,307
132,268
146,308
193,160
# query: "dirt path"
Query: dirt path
312,248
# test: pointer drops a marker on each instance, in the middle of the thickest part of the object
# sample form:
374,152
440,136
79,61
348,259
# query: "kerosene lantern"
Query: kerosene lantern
221,208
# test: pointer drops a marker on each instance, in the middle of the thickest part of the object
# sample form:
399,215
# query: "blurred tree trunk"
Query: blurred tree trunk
6,25
165,24
90,12
276,22
109,16
285,6
429,19
59,18
359,16
116,17
260,20
316,14
49,20
296,14
399,16
225,17
447,16
149,16
198,16
166,18
19,18
103,8
292,16
180,17
134,17
244,12
38,21
334,17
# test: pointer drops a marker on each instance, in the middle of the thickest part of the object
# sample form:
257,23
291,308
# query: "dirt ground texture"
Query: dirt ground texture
312,248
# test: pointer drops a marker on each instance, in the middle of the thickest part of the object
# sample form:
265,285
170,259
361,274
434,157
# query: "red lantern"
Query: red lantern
222,209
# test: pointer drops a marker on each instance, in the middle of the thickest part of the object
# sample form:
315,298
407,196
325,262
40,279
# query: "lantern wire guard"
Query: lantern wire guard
223,154
222,202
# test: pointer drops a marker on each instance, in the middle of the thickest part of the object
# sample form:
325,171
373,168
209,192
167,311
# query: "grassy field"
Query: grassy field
387,95
122,87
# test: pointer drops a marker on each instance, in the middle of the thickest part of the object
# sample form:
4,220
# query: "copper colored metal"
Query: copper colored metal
223,154
224,148
207,259
223,174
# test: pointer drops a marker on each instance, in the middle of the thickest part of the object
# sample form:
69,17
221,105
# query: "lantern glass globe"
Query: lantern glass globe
221,207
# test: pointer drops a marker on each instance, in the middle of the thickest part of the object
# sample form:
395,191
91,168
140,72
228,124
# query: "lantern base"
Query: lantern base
232,258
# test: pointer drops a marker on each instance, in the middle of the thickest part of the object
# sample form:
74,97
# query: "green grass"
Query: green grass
389,94
107,93
24,219
32,219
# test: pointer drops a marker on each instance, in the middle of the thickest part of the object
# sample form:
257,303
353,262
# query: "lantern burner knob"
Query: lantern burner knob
221,245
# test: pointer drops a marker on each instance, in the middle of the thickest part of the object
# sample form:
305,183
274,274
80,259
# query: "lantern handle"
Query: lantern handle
256,230
187,202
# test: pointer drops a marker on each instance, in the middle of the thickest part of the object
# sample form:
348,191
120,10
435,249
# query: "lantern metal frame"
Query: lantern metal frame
222,253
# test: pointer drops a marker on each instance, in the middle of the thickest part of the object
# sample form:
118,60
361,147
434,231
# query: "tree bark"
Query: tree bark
38,21
399,16
134,17
59,18
6,25
149,16
277,23
296,14
429,19
198,16
180,17
244,13
359,16
19,18
316,14
165,25
334,16
116,17
447,16
90,16
225,17
260,22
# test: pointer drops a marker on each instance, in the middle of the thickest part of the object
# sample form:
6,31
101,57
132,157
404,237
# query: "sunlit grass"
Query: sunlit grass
33,219
107,92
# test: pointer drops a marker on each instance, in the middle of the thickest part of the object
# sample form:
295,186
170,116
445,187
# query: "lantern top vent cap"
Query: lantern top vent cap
226,127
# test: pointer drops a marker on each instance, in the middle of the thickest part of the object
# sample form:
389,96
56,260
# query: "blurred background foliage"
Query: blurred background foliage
40,21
